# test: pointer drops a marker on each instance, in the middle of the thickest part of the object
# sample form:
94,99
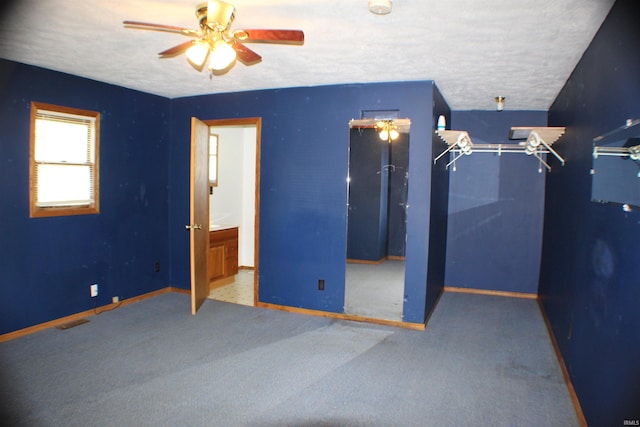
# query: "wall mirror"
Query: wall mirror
377,184
616,165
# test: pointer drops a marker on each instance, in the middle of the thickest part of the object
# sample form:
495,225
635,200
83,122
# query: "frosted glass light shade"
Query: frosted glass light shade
380,7
197,53
222,56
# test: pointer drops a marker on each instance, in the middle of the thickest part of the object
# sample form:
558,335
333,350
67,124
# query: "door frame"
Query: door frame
257,122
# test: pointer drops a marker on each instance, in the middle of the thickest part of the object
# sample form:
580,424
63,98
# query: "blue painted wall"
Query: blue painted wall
47,264
495,207
303,197
590,277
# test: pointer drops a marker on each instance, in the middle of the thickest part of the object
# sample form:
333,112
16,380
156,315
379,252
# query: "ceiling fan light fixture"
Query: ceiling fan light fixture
387,130
217,47
380,7
221,56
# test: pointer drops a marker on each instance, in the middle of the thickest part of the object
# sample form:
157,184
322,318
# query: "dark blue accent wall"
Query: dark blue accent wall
495,207
47,264
303,196
590,276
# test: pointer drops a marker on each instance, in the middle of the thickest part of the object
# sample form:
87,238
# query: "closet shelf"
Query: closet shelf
536,141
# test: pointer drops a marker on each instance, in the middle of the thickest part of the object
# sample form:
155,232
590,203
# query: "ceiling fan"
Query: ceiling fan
215,41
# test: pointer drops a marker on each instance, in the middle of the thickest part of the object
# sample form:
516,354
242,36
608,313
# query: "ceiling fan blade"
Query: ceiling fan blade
160,27
246,55
176,50
270,36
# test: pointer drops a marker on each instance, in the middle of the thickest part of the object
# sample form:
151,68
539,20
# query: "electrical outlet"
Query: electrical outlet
93,289
115,299
156,267
321,284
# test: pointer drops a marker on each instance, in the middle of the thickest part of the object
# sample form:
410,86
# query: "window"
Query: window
213,160
63,161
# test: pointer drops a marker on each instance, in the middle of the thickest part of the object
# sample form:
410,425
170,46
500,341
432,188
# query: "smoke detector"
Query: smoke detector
380,7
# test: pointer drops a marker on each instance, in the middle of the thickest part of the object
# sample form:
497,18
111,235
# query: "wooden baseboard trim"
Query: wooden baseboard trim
565,373
179,290
491,293
342,316
365,261
375,262
61,321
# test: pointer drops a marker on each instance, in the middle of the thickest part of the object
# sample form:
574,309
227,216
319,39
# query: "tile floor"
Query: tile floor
238,292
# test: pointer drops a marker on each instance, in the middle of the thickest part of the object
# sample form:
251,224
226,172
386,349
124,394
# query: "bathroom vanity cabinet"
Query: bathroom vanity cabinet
223,256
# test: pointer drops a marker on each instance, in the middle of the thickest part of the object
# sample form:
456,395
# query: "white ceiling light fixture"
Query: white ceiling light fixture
380,7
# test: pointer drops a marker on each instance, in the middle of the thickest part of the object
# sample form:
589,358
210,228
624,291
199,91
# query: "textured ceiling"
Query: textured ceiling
474,50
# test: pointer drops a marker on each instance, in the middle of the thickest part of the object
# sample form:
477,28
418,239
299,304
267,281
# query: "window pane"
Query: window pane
64,185
213,173
58,141
213,159
213,144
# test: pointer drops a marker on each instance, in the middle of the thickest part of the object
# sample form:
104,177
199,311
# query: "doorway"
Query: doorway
236,203
240,157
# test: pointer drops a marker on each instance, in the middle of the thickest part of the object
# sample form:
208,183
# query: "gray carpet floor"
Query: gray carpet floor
375,290
483,361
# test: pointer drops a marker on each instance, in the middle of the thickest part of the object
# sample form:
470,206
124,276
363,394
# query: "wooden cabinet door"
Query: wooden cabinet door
216,262
231,248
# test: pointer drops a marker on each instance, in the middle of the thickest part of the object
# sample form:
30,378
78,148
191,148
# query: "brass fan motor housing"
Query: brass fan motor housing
219,17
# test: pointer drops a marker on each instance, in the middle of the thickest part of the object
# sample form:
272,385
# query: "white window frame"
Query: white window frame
41,161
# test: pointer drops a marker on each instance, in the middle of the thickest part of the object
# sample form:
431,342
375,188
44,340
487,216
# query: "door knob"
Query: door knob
193,227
